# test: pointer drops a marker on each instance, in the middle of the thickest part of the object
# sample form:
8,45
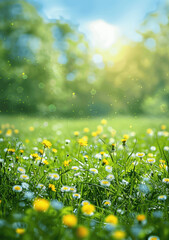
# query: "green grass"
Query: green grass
134,189
49,126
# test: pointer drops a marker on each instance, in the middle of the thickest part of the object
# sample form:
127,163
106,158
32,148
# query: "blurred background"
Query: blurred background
75,58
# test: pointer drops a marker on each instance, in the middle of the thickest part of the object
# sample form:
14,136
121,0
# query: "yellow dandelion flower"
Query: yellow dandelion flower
94,134
11,150
88,209
9,133
20,231
105,162
69,220
82,142
66,162
104,121
31,129
41,205
86,130
52,187
119,234
76,133
126,136
34,156
141,217
111,219
46,143
163,127
82,232
54,150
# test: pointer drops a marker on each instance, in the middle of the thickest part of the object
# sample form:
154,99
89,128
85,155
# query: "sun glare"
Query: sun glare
102,34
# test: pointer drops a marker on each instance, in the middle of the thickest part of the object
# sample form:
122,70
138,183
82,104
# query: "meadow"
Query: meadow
84,178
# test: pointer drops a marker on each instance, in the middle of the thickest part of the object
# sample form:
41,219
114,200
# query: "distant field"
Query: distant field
64,128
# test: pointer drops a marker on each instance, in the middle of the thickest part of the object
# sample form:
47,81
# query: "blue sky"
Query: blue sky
127,15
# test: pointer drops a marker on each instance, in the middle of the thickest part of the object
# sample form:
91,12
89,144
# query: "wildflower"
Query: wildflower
166,148
85,202
140,155
46,143
69,220
126,136
41,205
52,187
163,166
41,152
151,160
21,151
124,142
162,197
16,131
105,162
9,133
55,176
150,131
72,189
27,140
76,133
113,146
153,238
40,185
93,171
20,170
31,129
11,150
106,203
35,156
67,141
82,142
108,168
150,155
152,148
66,162
20,231
45,162
105,183
94,134
88,209
166,180
82,232
54,150
110,177
17,188
163,127
99,129
162,161
86,130
104,121
119,234
76,195
111,219
65,189
141,217
75,168
24,176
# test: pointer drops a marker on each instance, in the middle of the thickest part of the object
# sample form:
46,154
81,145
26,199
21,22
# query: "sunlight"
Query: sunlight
102,34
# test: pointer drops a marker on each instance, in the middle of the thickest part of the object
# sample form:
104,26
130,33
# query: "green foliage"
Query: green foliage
47,67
